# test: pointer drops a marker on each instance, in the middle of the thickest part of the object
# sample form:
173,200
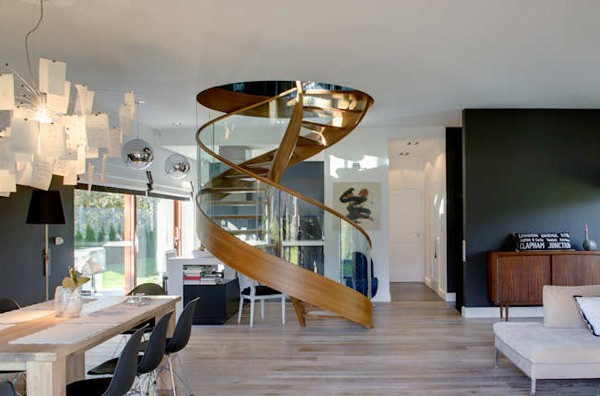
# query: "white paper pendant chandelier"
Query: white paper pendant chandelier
48,134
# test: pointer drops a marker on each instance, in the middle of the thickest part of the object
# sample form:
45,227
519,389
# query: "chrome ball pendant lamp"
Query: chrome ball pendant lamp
137,154
177,166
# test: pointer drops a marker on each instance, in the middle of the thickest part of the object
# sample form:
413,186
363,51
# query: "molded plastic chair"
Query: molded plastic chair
149,289
149,361
8,304
7,389
252,291
179,340
122,380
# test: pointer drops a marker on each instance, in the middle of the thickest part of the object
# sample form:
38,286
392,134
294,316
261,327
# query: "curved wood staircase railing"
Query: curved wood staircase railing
256,180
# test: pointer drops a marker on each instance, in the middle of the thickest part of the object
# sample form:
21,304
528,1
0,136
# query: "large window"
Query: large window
121,239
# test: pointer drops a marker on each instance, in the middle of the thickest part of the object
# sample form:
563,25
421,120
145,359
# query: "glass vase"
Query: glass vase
67,303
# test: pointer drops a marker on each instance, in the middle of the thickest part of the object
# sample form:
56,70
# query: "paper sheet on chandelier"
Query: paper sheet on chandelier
52,140
24,135
59,103
116,139
127,113
75,130
24,171
22,158
7,92
52,75
84,100
41,174
7,156
5,132
68,170
90,176
103,167
8,181
97,129
80,160
129,101
125,120
91,152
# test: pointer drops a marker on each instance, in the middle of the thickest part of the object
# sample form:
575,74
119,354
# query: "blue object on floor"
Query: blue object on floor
356,275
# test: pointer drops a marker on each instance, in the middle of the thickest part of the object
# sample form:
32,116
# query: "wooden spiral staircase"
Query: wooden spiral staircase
246,218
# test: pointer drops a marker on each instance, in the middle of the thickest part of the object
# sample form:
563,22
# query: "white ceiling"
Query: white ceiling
421,60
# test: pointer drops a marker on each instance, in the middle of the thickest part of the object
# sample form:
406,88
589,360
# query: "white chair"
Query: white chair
252,291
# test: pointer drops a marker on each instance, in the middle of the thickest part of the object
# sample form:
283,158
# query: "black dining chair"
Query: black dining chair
179,340
7,305
149,289
124,374
148,362
7,389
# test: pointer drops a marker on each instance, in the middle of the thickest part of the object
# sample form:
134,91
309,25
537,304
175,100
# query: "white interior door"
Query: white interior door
406,235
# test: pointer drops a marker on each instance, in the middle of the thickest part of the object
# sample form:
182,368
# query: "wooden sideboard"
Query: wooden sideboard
517,278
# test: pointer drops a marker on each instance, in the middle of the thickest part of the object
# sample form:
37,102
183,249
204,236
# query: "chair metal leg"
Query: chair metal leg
532,386
282,311
183,377
173,384
240,310
251,312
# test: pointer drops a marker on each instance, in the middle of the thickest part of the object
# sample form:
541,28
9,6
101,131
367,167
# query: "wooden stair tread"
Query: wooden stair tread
245,232
331,110
316,126
230,190
236,217
234,203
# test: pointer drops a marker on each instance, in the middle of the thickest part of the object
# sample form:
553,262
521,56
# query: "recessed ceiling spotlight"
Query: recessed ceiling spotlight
416,142
176,123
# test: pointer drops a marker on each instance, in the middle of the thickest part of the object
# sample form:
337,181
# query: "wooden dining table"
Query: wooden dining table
51,350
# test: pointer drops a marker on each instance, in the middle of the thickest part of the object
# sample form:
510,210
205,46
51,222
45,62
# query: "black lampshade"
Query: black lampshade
45,207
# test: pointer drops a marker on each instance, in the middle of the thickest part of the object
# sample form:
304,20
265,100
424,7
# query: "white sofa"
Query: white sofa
562,347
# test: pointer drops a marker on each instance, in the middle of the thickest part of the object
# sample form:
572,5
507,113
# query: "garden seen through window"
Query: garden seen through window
120,239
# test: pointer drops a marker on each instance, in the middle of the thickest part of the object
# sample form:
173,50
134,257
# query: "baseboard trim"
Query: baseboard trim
494,312
450,297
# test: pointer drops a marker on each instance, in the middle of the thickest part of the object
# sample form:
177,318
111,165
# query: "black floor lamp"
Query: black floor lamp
46,208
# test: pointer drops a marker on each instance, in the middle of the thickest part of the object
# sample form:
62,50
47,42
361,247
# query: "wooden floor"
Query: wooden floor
415,348
412,291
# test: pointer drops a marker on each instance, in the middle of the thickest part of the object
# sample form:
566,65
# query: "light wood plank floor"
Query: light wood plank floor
415,348
412,291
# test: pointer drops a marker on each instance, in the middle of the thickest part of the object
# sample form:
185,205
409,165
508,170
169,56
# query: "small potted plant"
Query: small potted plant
67,298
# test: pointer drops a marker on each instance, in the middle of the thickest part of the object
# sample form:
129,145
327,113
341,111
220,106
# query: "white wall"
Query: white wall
435,219
370,147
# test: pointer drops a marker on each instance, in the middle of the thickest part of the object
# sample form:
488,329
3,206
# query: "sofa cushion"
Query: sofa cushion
590,311
560,308
542,345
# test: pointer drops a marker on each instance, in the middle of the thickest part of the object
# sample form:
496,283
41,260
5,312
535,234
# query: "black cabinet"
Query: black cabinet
217,302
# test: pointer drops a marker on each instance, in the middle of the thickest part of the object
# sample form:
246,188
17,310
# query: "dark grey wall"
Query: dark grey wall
307,178
454,218
22,245
526,171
